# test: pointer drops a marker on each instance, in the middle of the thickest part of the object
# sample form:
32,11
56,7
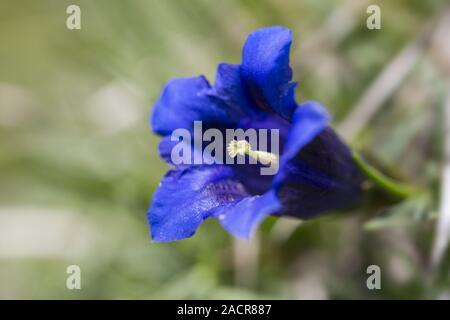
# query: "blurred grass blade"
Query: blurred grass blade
406,212
443,223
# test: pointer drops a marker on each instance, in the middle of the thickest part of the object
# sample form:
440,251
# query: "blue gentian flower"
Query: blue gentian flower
316,170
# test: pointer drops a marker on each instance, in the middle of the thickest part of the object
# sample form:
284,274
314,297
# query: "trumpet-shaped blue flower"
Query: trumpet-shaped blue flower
316,171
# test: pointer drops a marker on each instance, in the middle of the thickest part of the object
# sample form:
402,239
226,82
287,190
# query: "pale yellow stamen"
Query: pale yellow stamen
242,147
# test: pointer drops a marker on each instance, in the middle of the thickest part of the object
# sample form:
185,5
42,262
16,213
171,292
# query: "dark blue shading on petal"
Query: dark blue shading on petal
317,172
250,174
243,217
269,122
229,87
308,120
185,198
266,72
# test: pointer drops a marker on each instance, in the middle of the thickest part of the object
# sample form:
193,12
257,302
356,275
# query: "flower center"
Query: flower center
242,147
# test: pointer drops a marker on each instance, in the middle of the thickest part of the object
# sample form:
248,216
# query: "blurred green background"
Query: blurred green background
78,163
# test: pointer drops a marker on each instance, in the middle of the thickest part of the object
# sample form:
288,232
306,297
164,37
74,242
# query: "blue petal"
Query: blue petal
266,72
242,217
230,88
308,120
186,100
166,146
317,172
320,178
185,198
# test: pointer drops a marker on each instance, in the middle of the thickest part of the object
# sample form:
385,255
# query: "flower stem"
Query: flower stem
398,189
